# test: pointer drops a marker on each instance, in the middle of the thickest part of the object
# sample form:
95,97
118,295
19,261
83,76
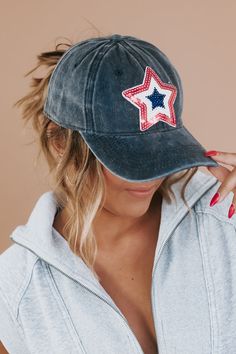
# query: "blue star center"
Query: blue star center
157,99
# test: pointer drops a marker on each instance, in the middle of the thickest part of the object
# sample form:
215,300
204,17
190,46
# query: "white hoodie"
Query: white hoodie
50,302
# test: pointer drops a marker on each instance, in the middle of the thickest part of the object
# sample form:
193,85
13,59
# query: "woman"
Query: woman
124,254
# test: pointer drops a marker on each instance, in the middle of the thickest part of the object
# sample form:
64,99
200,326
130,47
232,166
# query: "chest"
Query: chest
128,280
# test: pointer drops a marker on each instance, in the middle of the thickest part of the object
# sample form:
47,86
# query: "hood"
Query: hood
39,236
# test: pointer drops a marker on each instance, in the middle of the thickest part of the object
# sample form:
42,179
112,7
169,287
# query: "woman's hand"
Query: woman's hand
224,175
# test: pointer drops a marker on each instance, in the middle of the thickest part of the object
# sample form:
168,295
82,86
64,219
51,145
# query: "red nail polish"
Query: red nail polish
231,210
215,199
210,153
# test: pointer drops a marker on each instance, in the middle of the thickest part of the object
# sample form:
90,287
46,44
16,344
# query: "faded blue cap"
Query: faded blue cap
125,98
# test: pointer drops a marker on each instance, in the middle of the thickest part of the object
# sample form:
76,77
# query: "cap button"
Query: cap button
116,37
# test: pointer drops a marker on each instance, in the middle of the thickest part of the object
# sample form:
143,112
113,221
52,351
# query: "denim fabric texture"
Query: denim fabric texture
86,93
50,302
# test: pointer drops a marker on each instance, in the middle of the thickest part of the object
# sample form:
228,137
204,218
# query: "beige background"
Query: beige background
198,37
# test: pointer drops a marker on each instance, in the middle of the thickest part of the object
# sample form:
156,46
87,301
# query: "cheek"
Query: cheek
116,199
114,192
113,183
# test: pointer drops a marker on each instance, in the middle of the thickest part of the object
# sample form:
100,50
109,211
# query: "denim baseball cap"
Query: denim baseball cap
125,98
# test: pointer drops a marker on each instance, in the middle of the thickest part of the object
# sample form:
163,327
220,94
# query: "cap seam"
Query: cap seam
174,70
70,126
151,55
71,50
134,133
55,70
167,164
64,57
131,54
91,70
176,149
90,93
164,72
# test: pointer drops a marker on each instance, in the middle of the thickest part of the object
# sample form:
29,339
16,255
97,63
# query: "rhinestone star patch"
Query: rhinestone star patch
154,99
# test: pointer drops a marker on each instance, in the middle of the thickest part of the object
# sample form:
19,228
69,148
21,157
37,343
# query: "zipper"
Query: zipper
116,309
159,255
181,218
153,274
153,311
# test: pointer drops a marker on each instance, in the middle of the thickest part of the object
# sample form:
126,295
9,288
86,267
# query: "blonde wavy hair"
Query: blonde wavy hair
78,180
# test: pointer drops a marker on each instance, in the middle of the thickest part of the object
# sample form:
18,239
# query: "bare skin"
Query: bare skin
126,232
3,349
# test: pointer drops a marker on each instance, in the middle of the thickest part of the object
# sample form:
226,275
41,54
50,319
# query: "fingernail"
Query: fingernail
215,199
231,210
210,153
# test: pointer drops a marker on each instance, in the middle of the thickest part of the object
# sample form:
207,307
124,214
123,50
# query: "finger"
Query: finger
220,172
229,158
232,207
228,185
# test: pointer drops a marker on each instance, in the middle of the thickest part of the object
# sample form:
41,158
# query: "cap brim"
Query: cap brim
148,156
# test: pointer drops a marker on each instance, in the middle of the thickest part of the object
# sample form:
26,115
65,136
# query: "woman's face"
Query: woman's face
121,200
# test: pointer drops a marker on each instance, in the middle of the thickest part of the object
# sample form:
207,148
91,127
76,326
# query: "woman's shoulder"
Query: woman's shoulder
16,265
220,209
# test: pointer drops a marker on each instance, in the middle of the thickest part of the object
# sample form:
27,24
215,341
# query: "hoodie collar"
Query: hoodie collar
39,236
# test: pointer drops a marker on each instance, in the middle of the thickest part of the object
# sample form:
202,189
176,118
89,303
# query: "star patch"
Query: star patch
154,99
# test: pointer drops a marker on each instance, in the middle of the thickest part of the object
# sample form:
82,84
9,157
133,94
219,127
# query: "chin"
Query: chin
136,209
